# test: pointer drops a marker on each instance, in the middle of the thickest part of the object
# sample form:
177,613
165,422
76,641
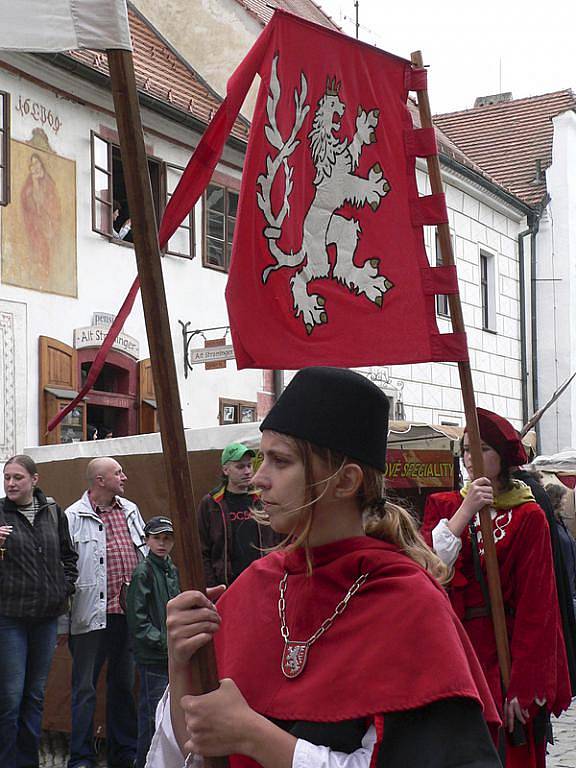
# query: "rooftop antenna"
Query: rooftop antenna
356,4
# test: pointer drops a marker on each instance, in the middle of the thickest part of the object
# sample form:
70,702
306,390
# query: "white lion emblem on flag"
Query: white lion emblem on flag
336,183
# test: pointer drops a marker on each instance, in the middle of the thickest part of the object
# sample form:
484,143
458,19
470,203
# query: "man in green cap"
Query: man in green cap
230,536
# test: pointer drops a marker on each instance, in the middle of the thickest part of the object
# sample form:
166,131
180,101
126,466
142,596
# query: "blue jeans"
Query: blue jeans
89,652
26,650
153,682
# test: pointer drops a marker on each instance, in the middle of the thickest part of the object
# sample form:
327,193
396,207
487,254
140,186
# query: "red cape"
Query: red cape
397,646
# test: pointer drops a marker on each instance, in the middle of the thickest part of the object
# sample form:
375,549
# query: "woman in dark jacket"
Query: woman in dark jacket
37,575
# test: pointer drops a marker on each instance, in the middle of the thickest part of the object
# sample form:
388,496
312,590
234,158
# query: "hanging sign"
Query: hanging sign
419,469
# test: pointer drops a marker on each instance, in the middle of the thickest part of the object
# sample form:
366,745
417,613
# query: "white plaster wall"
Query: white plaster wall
106,270
13,377
556,290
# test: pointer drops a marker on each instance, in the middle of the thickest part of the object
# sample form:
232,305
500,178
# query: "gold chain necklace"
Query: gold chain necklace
295,653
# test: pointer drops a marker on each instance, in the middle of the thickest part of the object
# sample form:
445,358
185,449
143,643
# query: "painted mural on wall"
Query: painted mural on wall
39,226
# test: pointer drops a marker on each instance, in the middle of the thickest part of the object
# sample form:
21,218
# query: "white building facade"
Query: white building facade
485,224
556,289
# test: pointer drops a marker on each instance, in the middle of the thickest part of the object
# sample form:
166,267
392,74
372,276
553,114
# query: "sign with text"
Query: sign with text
211,354
419,468
94,335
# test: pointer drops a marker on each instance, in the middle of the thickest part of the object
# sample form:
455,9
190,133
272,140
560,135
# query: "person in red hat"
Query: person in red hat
539,681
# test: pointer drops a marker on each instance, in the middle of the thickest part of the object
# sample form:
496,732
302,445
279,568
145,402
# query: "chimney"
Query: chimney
540,175
495,98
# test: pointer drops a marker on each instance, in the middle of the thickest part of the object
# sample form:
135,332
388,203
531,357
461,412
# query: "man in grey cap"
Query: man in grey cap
230,536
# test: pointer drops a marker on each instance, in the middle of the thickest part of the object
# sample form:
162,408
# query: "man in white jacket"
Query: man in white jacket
107,531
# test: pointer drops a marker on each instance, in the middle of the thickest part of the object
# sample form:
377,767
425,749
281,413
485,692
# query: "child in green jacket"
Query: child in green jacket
153,583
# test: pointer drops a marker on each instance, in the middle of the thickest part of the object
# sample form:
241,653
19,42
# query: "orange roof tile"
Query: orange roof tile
308,9
507,139
163,74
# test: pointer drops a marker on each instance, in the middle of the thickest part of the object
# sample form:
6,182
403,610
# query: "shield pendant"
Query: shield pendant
294,658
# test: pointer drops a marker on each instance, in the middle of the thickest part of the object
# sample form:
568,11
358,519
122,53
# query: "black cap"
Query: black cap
334,408
158,525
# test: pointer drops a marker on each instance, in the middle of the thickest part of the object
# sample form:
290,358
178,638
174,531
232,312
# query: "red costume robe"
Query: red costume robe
397,646
538,657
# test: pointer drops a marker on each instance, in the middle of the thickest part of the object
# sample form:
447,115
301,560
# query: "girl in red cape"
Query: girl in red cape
340,649
539,681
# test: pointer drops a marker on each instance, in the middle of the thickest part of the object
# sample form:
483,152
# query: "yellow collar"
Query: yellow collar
517,493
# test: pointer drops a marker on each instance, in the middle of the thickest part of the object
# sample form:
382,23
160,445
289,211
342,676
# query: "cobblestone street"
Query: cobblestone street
563,753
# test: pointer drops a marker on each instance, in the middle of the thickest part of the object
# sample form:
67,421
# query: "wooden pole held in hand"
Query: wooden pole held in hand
203,673
492,572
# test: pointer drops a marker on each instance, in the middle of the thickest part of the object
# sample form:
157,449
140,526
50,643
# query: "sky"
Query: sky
473,49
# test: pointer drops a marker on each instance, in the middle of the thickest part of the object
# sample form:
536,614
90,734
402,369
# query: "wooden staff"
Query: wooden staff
203,672
493,574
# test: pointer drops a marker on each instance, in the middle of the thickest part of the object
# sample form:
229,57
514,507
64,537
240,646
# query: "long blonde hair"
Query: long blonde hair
382,519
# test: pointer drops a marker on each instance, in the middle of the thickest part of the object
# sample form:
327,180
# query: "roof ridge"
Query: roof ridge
503,104
248,6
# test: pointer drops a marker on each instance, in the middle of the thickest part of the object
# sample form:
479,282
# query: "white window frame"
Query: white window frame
488,295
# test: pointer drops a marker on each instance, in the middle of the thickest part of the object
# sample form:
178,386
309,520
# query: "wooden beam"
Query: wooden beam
203,673
464,370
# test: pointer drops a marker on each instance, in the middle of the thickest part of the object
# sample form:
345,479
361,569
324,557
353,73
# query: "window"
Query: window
4,148
442,306
488,290
220,208
237,411
182,241
110,214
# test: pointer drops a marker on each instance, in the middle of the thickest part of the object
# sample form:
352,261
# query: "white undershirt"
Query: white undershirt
165,753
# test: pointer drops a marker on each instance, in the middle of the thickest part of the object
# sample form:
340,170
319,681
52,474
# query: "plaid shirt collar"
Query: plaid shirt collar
99,509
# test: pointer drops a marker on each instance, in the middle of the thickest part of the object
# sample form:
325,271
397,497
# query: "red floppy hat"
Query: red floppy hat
499,434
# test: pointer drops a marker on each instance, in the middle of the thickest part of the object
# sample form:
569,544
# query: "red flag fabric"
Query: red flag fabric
329,265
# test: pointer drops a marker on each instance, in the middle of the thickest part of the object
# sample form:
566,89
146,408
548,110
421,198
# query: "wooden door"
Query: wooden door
58,371
147,411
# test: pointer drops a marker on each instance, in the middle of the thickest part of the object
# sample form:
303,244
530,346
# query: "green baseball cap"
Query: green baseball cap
235,452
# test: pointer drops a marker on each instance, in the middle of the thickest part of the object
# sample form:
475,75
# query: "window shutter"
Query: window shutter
102,184
147,409
4,148
182,242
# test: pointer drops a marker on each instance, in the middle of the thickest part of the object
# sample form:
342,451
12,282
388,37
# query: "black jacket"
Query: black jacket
38,571
216,536
560,571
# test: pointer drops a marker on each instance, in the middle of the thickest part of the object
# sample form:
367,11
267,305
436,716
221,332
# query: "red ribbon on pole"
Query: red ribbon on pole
100,358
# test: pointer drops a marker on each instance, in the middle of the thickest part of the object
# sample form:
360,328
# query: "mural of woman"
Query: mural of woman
42,216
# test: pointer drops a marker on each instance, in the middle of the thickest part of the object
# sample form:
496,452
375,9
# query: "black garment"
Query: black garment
217,540
560,571
568,546
450,733
38,571
245,538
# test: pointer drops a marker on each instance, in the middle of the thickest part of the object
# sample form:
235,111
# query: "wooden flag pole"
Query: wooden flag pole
492,572
203,673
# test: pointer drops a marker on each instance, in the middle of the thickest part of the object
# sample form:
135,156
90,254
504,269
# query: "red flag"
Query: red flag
329,265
